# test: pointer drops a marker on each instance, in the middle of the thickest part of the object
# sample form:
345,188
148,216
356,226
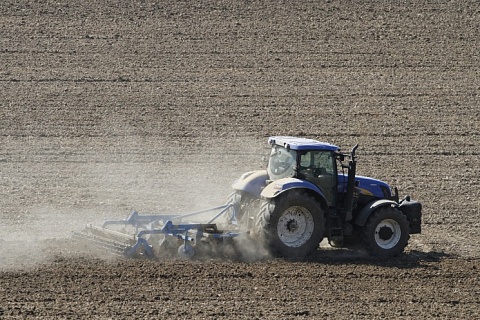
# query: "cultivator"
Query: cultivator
153,236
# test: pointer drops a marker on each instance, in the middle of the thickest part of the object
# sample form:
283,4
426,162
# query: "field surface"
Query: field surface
158,106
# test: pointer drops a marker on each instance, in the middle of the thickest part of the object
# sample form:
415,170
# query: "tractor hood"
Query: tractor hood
366,186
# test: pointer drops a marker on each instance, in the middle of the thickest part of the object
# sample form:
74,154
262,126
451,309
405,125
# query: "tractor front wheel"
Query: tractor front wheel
386,232
292,224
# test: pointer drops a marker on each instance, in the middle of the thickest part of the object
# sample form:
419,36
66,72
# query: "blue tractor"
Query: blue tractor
309,191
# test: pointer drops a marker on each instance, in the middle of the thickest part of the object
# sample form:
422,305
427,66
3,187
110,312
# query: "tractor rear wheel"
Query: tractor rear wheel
386,232
292,224
235,201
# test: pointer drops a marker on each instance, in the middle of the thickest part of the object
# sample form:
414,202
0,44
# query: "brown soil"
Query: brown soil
158,106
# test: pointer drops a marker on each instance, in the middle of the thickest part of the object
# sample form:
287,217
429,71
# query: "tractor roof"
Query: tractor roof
301,143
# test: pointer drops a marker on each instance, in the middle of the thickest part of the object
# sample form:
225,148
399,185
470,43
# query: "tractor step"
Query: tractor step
335,228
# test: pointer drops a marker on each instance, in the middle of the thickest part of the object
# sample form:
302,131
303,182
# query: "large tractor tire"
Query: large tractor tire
386,232
235,200
292,224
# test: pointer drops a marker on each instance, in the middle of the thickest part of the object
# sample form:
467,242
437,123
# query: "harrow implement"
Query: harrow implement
152,236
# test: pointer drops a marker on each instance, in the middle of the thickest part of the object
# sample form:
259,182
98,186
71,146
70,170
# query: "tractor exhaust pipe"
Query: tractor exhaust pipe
352,168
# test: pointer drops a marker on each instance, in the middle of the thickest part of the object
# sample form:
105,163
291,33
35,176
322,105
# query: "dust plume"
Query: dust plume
61,185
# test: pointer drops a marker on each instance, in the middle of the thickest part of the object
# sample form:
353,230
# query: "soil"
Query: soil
114,106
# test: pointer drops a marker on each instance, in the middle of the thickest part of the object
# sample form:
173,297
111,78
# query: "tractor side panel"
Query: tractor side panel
366,186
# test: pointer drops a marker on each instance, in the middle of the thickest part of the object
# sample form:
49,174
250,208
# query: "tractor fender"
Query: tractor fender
277,187
370,207
252,182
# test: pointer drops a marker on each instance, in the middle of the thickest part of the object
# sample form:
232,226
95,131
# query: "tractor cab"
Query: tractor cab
323,166
305,159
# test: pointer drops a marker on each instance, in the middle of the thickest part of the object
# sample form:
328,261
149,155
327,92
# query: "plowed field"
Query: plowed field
157,106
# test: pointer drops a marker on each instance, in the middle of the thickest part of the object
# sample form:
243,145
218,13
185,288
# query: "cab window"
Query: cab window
318,167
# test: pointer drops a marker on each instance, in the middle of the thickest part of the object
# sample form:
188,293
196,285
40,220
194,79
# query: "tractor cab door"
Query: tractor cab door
319,167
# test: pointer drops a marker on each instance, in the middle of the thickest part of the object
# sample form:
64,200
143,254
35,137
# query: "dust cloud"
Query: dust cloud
62,185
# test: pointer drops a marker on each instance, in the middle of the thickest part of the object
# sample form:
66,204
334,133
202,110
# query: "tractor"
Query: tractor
310,191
